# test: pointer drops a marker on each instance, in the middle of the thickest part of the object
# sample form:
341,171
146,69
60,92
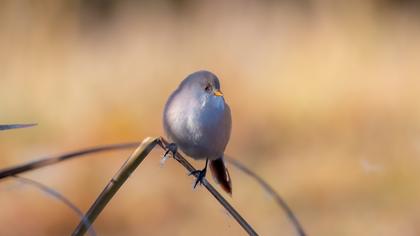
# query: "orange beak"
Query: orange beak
218,93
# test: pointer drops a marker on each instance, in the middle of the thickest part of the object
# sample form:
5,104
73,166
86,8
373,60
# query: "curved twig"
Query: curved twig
15,126
280,201
52,160
163,144
58,196
130,165
7,172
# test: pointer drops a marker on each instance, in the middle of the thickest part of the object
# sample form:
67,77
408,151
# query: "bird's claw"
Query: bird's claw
171,149
199,174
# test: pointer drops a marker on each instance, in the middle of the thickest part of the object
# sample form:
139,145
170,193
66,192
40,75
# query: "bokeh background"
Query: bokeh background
324,94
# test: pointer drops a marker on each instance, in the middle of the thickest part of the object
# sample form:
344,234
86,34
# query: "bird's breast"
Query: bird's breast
198,126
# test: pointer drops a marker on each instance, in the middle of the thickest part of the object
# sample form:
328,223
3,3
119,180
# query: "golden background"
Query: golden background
324,97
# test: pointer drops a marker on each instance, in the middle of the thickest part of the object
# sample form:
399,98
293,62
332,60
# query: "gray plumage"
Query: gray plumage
198,120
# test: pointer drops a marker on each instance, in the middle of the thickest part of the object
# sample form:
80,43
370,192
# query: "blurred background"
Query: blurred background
324,95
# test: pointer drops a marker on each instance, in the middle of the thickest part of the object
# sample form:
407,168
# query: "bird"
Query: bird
197,120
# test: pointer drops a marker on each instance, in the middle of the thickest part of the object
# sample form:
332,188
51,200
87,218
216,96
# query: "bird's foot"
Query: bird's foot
199,174
171,149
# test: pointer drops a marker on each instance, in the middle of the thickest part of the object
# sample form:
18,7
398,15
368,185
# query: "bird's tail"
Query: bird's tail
221,174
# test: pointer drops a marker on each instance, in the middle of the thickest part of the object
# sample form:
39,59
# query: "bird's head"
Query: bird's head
203,83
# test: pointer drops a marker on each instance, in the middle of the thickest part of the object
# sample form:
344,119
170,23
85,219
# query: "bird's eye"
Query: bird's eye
207,88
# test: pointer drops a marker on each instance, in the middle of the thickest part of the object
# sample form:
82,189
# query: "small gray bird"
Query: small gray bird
197,119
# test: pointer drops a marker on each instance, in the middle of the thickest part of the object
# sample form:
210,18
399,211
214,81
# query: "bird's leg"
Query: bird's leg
200,174
171,148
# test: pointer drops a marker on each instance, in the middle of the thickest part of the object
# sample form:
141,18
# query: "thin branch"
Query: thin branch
58,196
52,160
130,165
116,182
15,126
280,201
7,172
163,144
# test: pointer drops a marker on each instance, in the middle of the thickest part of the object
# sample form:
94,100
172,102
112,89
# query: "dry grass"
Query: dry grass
325,104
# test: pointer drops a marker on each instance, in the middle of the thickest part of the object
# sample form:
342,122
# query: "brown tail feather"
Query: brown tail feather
221,174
